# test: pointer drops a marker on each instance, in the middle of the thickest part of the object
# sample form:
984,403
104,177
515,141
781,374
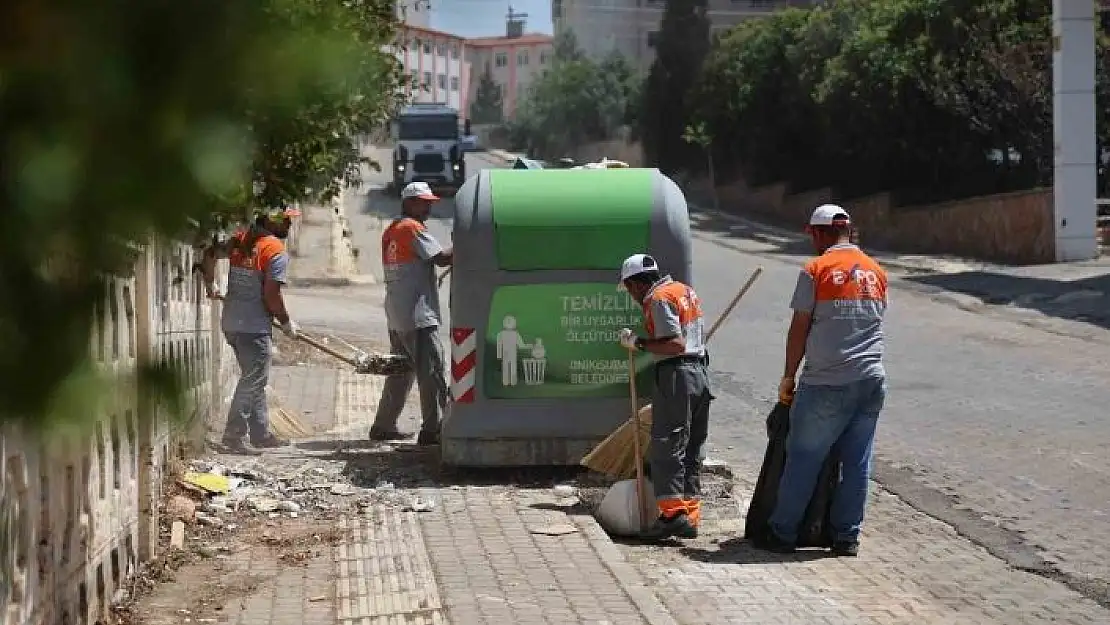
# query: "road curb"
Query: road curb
629,579
343,262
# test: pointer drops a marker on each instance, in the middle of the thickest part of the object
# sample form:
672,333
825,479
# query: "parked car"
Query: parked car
469,143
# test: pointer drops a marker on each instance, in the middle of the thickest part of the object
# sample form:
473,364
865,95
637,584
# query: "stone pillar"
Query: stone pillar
1073,113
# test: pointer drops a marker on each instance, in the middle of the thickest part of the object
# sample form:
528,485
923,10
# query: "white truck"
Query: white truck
428,147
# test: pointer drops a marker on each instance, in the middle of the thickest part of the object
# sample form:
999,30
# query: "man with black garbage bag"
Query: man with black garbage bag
838,303
680,409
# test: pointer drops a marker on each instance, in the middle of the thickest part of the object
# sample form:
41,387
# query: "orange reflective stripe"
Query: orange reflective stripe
693,511
397,241
681,297
847,274
259,256
671,507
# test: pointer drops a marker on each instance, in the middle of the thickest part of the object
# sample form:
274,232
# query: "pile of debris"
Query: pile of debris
221,498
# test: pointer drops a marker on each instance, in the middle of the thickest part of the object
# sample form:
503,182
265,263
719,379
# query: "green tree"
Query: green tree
575,101
680,49
930,98
147,119
487,106
565,46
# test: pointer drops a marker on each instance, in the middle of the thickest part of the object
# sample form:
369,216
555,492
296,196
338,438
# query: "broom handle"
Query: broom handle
736,300
641,491
318,344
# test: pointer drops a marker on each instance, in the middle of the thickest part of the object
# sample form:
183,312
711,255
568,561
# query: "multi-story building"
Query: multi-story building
415,12
513,61
631,26
437,66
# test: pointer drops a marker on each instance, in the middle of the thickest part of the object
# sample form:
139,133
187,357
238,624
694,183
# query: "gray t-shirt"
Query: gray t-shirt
845,291
673,309
244,309
411,292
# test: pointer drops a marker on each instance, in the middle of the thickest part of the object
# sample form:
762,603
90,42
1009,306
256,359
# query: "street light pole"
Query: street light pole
1075,172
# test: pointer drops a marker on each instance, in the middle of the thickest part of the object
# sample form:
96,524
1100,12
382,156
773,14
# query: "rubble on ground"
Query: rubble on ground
227,494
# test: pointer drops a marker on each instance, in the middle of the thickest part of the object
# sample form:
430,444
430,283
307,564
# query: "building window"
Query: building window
522,57
415,77
454,50
427,80
441,80
427,47
454,83
441,49
543,57
501,59
416,43
652,38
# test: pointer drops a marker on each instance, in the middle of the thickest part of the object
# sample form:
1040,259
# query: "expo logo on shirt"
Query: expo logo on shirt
867,280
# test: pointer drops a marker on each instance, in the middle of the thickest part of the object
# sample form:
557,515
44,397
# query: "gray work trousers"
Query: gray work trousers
424,350
679,428
248,412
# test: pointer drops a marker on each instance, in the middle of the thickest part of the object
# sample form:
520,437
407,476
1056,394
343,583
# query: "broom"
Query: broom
616,455
285,423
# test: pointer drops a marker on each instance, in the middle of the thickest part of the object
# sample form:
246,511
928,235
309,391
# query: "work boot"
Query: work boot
234,445
270,441
845,548
428,438
678,526
382,434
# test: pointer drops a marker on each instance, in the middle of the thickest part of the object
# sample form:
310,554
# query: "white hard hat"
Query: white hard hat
636,264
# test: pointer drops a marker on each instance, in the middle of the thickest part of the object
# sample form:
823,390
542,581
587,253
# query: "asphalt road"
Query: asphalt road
996,427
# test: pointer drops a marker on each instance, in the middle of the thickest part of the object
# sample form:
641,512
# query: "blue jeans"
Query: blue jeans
822,417
248,412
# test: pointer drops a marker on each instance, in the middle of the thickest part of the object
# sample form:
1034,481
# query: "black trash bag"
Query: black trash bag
816,530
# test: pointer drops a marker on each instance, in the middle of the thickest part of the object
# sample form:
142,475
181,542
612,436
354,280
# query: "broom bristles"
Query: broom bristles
285,423
616,455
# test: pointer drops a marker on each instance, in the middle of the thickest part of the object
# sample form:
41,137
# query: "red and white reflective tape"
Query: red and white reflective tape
464,360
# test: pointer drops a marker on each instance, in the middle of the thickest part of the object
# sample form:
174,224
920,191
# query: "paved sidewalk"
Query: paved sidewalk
912,570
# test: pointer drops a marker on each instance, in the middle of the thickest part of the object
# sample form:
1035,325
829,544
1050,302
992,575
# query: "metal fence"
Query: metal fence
79,509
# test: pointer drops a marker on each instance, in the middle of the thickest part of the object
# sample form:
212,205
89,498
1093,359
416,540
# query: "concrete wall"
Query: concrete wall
1010,227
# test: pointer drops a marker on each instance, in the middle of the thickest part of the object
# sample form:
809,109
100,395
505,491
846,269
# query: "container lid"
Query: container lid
567,219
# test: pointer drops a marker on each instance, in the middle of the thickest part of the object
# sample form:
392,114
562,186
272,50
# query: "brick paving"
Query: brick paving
493,569
249,584
912,569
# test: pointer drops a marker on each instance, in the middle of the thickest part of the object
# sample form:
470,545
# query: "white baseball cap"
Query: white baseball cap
637,264
418,190
828,215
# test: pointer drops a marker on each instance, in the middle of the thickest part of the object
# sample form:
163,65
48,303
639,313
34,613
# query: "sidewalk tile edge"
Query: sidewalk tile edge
651,609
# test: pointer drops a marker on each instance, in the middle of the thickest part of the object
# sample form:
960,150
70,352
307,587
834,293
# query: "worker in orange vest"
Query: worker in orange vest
259,266
680,409
410,255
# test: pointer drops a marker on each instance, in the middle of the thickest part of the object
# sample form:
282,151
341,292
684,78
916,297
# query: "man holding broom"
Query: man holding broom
675,331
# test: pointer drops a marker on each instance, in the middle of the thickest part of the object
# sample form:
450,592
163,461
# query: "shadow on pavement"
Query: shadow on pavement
769,239
740,551
406,465
1086,299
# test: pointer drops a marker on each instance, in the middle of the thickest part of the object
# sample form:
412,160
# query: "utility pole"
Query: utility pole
1075,171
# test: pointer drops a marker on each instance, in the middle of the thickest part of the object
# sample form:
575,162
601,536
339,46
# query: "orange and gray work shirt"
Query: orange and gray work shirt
672,309
244,309
845,291
411,292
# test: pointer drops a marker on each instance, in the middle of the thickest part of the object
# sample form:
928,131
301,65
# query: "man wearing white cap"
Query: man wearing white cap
837,328
680,409
410,255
